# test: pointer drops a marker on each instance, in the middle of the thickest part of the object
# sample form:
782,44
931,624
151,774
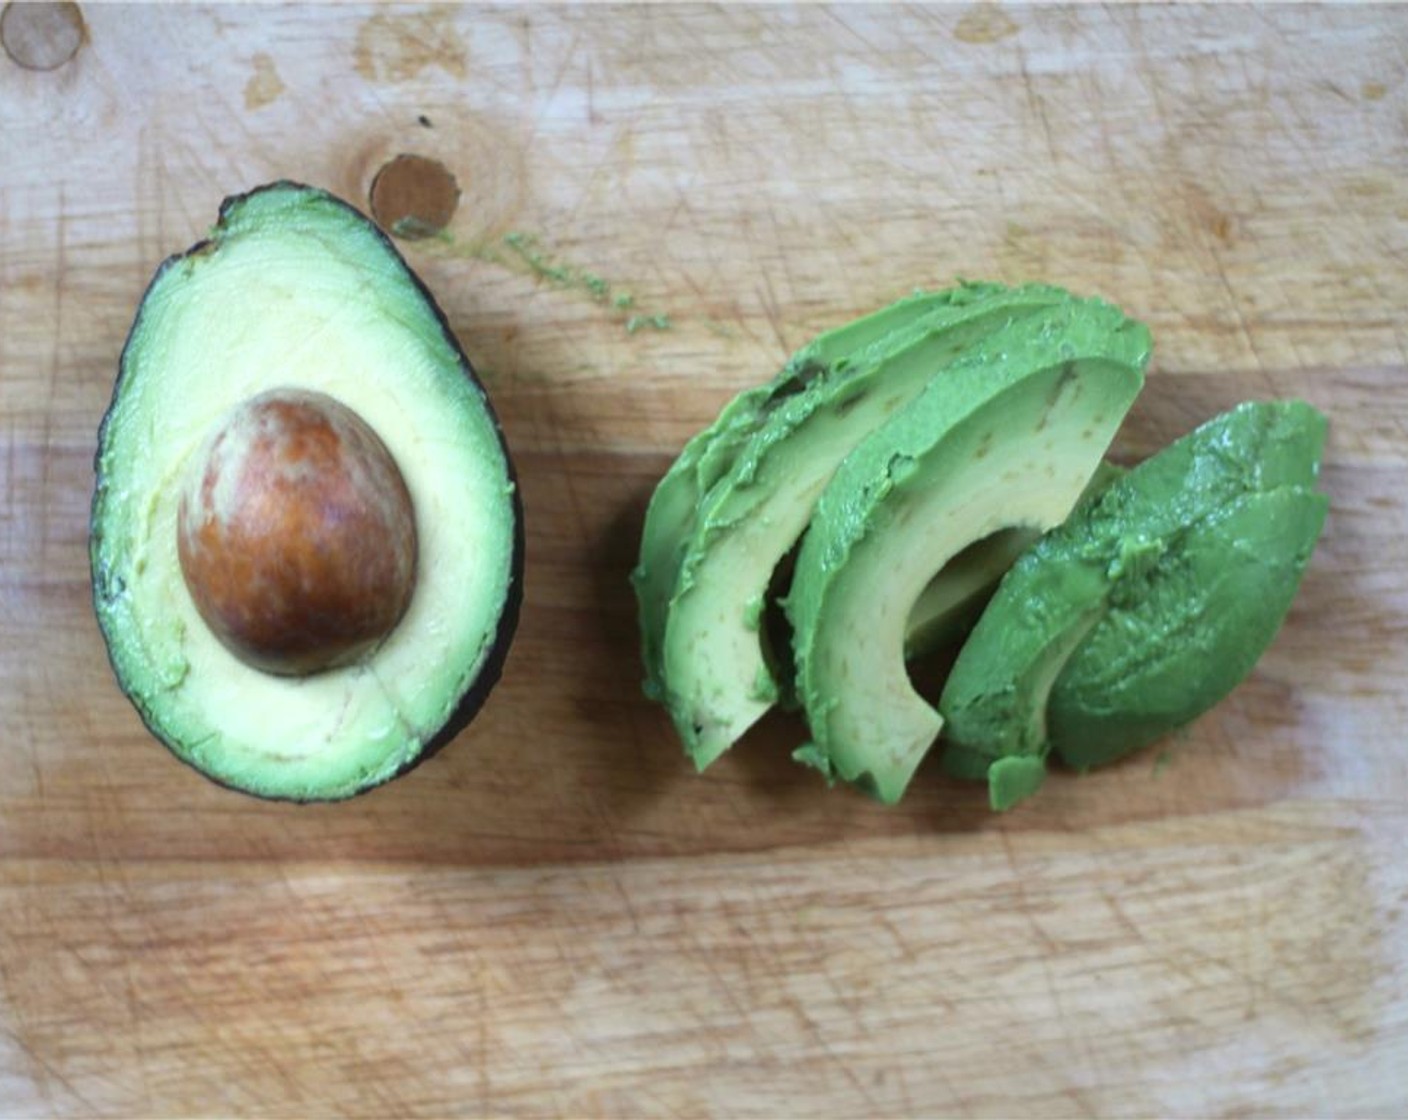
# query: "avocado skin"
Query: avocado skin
1192,629
1147,606
474,698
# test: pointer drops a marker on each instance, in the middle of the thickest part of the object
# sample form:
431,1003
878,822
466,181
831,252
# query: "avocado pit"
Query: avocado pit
296,533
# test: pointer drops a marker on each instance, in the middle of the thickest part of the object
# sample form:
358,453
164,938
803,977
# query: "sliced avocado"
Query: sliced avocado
1008,435
708,457
953,599
717,677
670,517
1195,627
306,540
952,602
1143,609
1220,597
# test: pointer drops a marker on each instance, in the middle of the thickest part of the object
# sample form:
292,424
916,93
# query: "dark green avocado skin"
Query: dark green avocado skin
492,669
1182,634
1144,609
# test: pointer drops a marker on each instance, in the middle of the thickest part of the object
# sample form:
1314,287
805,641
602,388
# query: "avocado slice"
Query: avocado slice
1008,435
1215,602
953,601
1203,625
306,540
1145,608
717,679
670,518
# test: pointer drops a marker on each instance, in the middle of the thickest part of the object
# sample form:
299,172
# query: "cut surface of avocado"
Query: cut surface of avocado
708,457
1008,435
1146,607
297,294
954,598
951,601
717,676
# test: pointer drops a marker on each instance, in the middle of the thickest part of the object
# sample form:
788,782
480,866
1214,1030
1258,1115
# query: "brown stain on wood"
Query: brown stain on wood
395,47
264,85
1208,215
490,163
44,35
985,23
414,197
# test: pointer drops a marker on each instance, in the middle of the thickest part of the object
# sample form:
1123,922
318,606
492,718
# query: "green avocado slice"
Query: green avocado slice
1219,599
953,600
1008,435
1143,609
296,290
1197,626
709,455
717,680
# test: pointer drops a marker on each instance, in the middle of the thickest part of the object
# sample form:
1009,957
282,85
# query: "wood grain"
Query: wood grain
554,915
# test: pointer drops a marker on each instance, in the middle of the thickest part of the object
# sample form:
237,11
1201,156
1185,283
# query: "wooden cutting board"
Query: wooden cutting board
556,915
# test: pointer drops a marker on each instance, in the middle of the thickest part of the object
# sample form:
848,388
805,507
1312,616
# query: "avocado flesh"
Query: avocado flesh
709,455
296,289
1143,609
1009,435
953,599
950,601
717,678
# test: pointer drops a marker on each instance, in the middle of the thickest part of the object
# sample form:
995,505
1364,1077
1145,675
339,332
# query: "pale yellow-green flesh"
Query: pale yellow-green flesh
949,600
951,597
717,677
877,722
723,632
213,332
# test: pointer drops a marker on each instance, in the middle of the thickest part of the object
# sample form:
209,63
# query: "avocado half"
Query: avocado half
1145,608
296,301
1005,436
